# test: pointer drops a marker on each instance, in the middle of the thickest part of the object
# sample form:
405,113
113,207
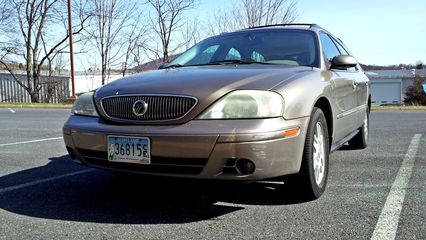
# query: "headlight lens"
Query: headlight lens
84,105
246,104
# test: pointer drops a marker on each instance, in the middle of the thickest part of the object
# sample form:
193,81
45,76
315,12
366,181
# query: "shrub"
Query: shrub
415,94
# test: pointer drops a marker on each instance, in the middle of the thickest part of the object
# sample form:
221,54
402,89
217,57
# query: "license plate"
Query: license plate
129,149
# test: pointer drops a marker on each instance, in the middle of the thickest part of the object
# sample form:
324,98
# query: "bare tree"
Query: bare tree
50,82
111,20
33,42
250,13
8,45
222,21
5,15
190,34
55,64
135,40
138,55
266,12
168,19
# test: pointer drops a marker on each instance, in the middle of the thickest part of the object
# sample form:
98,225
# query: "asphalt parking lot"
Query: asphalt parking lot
375,193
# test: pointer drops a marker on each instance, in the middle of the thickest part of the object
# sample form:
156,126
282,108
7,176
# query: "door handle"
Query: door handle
354,84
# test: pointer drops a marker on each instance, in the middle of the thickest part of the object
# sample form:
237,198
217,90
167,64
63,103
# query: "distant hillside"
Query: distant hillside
152,65
148,66
389,67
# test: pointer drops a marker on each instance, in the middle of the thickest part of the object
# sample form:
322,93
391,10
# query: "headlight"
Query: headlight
84,105
246,104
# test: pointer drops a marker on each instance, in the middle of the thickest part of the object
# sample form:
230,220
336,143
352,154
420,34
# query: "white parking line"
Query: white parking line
387,225
10,109
29,184
31,141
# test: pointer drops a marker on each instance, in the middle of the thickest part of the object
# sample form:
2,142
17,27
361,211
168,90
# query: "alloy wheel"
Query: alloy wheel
319,154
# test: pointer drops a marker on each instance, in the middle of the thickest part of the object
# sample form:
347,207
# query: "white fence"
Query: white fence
54,90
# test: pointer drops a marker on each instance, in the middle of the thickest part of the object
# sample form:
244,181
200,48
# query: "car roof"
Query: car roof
290,25
296,26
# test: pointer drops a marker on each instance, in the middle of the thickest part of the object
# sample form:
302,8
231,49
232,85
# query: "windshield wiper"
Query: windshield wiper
235,61
170,66
221,62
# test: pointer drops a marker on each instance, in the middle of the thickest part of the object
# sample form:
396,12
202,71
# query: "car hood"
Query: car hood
201,82
206,83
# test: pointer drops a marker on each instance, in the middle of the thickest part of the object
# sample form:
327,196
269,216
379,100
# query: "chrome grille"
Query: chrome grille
159,107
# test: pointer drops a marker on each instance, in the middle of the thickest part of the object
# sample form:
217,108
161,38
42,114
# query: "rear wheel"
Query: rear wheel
311,181
360,141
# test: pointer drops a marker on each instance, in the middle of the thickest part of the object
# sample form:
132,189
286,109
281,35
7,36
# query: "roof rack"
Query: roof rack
310,25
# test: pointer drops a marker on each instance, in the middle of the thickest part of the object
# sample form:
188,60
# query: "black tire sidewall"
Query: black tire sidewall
307,162
360,141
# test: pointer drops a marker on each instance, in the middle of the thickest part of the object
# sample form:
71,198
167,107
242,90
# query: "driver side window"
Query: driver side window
329,48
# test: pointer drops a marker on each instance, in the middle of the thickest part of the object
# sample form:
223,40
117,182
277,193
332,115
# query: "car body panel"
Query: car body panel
260,141
207,84
177,144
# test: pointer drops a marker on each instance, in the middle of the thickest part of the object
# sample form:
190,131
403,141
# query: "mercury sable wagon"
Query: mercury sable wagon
259,103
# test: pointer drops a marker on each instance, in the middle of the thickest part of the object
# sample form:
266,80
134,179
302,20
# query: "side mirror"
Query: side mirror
343,62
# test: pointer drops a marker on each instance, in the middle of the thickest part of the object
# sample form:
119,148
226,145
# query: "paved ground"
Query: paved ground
43,195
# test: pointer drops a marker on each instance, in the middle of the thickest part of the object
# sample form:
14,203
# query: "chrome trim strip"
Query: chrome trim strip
146,95
353,110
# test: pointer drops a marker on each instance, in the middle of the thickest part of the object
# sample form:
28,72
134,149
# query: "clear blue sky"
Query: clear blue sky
377,31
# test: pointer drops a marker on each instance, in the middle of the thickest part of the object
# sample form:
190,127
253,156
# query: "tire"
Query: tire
311,181
360,140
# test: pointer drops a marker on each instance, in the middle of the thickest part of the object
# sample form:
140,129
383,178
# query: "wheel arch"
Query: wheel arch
369,103
325,106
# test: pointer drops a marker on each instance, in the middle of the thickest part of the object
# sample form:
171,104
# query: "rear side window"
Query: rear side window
329,48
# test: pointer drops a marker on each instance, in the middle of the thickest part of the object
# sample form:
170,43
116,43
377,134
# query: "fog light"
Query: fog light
245,166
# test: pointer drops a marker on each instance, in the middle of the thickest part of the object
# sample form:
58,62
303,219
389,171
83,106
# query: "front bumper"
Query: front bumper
205,149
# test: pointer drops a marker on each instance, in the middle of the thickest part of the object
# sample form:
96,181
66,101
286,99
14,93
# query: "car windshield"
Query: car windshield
286,47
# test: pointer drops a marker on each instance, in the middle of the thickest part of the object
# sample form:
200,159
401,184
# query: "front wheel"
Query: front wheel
311,181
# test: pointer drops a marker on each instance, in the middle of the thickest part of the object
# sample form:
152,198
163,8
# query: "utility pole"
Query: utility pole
73,97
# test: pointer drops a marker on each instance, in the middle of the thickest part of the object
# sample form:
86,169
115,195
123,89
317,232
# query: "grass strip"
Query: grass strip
33,105
398,108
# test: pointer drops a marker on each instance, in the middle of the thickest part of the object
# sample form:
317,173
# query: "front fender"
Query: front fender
302,92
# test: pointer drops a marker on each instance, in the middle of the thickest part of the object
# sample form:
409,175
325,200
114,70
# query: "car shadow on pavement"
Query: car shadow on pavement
97,196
